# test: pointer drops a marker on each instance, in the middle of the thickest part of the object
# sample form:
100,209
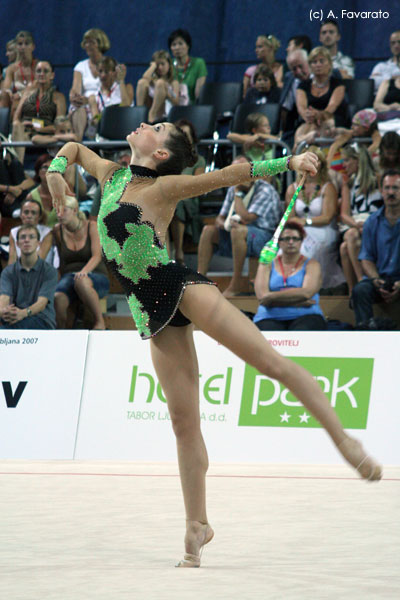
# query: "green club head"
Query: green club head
269,252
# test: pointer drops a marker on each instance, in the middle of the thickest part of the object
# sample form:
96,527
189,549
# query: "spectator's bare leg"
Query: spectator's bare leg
142,92
61,303
209,237
160,94
239,251
353,240
19,135
86,292
347,267
177,229
79,122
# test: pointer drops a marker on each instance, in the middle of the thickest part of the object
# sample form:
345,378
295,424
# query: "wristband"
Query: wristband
58,165
268,168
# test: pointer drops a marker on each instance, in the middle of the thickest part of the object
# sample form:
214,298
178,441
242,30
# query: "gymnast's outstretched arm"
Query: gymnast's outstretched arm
179,187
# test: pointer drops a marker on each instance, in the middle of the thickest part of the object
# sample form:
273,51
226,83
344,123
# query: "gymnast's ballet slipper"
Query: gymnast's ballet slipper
192,560
355,454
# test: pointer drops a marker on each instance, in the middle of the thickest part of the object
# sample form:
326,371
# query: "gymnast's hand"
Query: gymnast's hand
307,162
58,189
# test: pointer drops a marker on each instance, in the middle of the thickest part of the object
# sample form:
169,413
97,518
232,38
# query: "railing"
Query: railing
328,141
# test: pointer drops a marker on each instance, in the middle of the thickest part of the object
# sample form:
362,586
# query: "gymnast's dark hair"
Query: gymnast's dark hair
182,154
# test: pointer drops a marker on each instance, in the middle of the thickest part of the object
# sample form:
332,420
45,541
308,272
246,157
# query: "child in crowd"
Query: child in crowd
265,88
321,127
258,131
63,133
157,87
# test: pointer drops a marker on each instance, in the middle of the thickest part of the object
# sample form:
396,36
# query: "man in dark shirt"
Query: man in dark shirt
27,287
380,253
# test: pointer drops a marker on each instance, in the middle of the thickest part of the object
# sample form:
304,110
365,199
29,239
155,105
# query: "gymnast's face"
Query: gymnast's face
147,139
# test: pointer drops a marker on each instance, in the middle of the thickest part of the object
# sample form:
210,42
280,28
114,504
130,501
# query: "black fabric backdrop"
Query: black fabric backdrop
223,31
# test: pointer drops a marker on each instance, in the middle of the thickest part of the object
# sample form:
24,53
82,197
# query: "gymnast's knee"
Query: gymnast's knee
184,424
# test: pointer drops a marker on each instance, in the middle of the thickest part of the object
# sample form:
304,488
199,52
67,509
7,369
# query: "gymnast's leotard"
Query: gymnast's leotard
153,284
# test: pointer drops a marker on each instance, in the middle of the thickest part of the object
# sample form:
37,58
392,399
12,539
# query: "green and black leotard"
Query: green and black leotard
153,284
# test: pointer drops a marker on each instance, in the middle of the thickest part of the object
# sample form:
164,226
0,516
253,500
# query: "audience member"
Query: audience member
387,103
20,73
364,124
380,254
389,153
62,133
299,70
287,289
113,89
187,213
322,93
31,213
298,42
390,68
38,108
83,273
191,72
11,53
41,192
86,80
265,88
316,209
246,221
258,130
266,47
27,287
329,37
308,132
158,89
14,184
360,198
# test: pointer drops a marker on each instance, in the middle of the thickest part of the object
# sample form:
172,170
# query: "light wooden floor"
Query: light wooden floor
107,530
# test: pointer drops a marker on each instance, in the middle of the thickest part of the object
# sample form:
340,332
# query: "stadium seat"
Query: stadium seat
224,96
203,118
360,92
118,121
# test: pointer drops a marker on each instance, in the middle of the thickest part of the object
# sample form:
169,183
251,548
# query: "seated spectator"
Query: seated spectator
321,127
62,133
329,37
316,210
389,153
14,184
259,130
390,68
360,198
287,289
11,53
27,287
387,104
187,212
83,273
190,72
247,220
86,80
298,42
265,88
20,73
363,124
266,47
38,108
380,254
322,93
299,70
158,89
31,213
113,89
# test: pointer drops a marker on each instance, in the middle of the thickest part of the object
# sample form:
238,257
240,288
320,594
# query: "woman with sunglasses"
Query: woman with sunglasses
287,289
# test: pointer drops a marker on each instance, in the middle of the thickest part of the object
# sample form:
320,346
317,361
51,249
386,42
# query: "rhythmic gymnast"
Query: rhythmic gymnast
166,299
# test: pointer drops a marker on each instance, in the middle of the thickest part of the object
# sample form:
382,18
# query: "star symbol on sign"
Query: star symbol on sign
304,418
285,417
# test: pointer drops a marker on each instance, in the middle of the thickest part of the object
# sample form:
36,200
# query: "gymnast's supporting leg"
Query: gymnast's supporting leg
174,358
211,312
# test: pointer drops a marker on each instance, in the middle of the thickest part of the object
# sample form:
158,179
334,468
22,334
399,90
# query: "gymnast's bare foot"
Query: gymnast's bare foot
197,536
355,454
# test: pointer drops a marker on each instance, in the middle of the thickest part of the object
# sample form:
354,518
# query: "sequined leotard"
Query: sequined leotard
153,284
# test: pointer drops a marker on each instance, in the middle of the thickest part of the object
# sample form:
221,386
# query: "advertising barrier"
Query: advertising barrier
41,384
245,416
